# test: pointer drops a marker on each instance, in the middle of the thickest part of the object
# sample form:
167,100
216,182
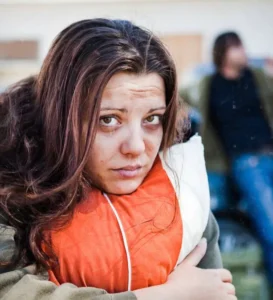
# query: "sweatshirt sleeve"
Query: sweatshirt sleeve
212,258
23,284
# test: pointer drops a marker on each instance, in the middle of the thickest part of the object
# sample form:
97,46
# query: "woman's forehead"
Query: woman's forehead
134,86
135,82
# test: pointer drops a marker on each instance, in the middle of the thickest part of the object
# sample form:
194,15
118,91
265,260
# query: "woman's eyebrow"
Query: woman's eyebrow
158,108
123,110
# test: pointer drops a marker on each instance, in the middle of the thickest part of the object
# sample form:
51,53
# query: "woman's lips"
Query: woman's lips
129,171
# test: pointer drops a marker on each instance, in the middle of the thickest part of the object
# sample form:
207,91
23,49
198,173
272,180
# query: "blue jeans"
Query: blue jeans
219,191
253,175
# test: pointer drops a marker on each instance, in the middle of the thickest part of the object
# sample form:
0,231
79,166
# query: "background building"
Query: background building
27,27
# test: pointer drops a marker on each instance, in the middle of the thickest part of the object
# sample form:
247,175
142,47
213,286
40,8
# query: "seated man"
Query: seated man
236,104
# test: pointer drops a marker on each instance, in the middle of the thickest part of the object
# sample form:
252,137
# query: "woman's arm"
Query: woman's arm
212,258
24,285
186,282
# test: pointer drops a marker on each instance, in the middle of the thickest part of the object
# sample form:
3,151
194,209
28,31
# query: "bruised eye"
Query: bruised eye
108,121
153,120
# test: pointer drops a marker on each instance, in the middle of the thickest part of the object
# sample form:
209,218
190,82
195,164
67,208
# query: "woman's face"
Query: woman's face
130,132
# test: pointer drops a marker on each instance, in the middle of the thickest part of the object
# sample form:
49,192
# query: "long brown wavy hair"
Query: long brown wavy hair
43,152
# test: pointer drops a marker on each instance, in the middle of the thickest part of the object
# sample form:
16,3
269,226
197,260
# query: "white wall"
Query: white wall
252,19
43,19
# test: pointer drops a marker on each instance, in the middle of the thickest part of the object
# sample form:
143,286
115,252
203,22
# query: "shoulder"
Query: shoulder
258,73
204,90
255,70
263,80
206,81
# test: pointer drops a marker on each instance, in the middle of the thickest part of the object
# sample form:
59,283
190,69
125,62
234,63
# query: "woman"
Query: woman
86,159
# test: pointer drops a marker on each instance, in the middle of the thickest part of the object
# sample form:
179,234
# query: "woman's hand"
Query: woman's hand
187,282
199,284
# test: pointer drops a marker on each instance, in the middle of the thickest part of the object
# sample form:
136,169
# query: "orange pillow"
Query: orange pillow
91,249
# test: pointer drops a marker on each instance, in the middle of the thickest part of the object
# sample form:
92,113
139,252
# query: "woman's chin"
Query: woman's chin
123,188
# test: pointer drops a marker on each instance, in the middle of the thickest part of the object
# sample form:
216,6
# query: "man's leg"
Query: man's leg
218,191
253,174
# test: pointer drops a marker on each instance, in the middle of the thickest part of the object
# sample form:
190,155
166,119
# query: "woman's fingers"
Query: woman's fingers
194,258
232,297
230,289
225,275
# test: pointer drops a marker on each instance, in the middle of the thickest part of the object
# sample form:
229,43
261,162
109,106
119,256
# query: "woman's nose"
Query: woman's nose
133,143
